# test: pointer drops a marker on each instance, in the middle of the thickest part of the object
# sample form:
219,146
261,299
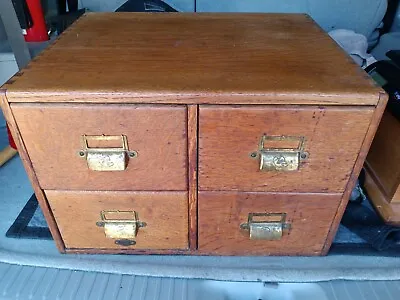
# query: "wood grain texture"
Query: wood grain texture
52,135
165,213
26,161
229,134
383,158
193,59
373,126
102,70
388,210
221,213
192,163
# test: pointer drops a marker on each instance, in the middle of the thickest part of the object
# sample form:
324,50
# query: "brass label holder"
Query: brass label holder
271,228
122,225
280,159
106,159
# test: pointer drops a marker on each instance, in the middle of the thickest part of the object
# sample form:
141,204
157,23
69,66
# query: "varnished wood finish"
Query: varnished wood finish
192,158
383,159
165,213
221,213
194,59
376,118
228,135
389,211
30,172
383,170
52,135
233,77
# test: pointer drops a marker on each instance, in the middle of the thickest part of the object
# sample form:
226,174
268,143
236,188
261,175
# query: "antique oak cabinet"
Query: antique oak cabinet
224,134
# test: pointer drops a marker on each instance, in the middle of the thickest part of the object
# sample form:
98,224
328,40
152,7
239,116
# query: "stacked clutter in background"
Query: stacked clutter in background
377,224
355,44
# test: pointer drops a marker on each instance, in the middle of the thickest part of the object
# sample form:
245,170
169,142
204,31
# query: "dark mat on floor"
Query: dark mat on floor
30,223
373,236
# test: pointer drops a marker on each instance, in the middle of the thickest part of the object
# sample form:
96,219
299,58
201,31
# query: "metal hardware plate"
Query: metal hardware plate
106,159
125,243
280,159
266,229
120,224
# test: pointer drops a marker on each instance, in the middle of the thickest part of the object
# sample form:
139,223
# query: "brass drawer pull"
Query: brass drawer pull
122,225
106,159
280,158
266,226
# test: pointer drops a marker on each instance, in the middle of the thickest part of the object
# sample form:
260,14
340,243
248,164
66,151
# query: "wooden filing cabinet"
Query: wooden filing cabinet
226,134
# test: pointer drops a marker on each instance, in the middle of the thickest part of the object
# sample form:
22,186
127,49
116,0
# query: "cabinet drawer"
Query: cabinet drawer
56,135
89,219
325,142
222,213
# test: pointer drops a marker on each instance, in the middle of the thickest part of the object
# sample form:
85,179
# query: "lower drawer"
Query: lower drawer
119,220
225,228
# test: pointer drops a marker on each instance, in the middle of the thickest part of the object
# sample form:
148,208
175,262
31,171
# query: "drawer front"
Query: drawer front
304,149
88,219
155,136
224,226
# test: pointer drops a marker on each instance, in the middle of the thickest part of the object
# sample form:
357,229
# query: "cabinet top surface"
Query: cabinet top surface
194,58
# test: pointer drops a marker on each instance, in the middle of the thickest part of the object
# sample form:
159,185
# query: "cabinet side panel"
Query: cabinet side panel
375,120
31,174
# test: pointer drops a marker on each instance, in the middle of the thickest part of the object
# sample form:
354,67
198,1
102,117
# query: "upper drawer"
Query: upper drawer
310,149
156,137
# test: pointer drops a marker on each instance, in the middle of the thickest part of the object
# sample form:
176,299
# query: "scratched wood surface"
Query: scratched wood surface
221,213
194,58
165,214
228,135
52,135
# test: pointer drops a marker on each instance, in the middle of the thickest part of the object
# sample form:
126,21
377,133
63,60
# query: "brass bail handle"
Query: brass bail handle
283,159
266,226
121,225
106,158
